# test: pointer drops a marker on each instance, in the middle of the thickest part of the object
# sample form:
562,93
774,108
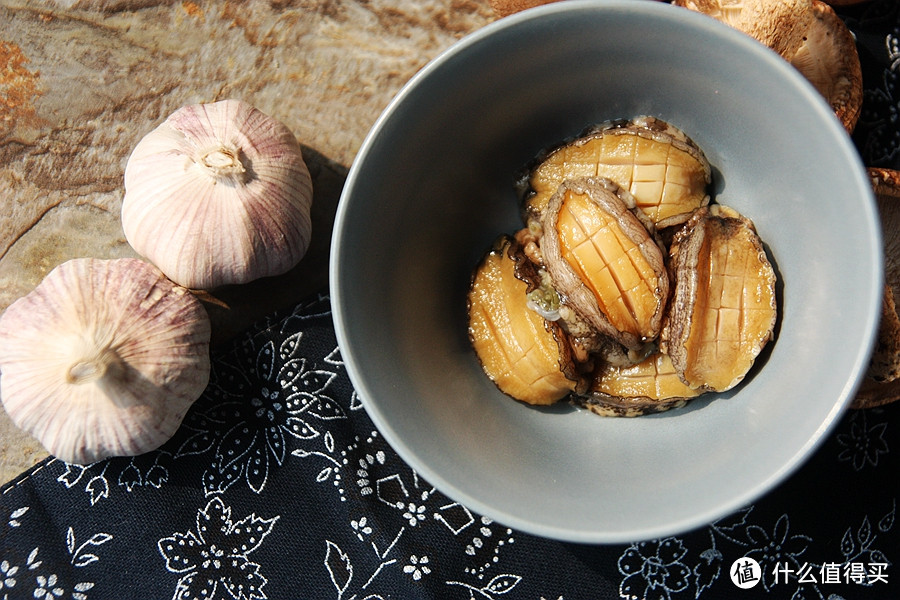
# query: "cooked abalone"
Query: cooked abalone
723,308
649,386
526,355
591,300
664,170
598,248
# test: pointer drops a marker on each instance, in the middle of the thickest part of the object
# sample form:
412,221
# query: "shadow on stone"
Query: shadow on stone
233,309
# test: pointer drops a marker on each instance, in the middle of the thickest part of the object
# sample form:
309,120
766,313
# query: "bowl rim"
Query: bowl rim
500,514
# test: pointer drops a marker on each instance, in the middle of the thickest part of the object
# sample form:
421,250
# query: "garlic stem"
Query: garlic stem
218,194
93,366
222,163
103,358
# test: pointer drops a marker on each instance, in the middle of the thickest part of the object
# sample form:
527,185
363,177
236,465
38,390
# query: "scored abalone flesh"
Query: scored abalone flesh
601,254
723,309
653,160
526,355
649,386
626,291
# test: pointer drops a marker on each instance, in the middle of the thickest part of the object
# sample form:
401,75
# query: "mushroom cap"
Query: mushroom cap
882,382
886,185
782,25
829,60
103,358
808,34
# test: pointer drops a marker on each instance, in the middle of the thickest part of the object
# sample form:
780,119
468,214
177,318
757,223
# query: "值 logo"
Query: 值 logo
745,572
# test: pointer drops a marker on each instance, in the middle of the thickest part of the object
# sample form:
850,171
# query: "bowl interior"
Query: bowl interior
432,187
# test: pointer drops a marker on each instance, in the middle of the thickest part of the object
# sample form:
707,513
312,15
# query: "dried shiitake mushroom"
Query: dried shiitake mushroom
504,8
882,382
808,34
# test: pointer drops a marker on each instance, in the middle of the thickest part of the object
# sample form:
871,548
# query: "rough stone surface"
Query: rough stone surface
82,81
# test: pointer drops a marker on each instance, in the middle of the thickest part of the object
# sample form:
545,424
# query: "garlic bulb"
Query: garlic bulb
218,194
103,358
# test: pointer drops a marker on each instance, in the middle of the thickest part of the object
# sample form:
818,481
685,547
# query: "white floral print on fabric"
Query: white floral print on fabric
772,549
8,579
292,412
864,444
858,544
32,578
83,554
493,589
417,567
654,569
667,568
285,381
877,134
215,553
100,480
14,516
288,401
881,109
386,532
412,504
881,114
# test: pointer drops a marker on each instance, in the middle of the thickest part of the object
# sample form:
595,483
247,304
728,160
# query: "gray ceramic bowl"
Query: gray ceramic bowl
432,187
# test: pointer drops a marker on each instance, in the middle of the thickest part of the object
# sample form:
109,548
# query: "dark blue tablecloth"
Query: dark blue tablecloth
279,486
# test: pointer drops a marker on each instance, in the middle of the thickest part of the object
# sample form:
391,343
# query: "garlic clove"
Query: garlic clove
103,358
218,194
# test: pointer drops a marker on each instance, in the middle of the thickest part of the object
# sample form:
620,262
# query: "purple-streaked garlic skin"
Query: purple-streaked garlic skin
103,358
218,194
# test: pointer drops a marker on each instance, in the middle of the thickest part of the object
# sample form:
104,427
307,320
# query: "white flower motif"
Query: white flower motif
361,528
654,569
47,587
16,515
288,398
417,567
215,555
414,514
7,575
863,445
779,547
362,474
